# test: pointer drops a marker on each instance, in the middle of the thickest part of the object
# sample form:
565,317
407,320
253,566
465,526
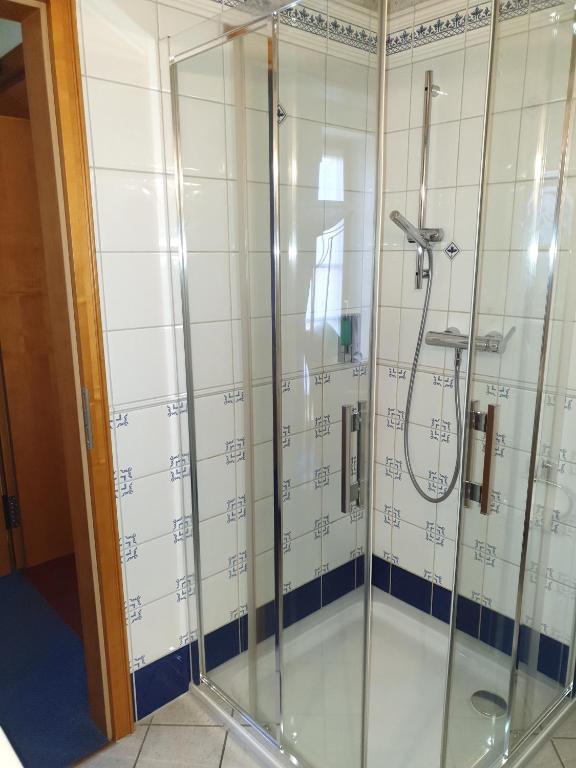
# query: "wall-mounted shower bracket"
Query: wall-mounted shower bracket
354,420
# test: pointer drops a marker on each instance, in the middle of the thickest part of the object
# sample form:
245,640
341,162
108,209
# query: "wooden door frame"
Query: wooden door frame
55,92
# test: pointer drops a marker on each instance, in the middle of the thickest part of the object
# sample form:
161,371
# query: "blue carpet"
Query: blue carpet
43,695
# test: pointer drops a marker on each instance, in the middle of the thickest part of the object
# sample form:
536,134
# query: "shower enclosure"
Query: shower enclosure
347,593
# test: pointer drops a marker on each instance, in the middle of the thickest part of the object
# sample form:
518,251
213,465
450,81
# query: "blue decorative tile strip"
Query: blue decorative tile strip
317,23
478,621
460,21
398,42
510,9
305,19
439,29
353,35
479,16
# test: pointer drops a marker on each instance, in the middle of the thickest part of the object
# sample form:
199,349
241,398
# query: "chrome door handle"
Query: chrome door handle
488,456
354,419
347,428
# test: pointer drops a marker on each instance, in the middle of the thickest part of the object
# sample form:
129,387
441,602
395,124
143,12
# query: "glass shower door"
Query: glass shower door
221,107
326,136
277,201
508,664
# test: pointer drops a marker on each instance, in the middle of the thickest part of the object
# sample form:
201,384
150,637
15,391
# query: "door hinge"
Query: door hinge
12,517
87,417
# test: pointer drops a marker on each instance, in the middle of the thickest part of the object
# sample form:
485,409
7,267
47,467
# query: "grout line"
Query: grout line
557,753
223,748
142,744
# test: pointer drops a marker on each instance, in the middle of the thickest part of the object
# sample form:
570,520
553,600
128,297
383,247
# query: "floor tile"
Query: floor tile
145,720
123,754
545,758
566,748
182,747
185,710
568,727
236,756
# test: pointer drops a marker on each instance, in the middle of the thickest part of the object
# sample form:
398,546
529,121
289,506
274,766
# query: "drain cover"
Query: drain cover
489,704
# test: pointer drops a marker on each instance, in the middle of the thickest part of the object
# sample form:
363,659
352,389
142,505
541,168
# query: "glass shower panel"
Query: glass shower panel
517,251
221,108
328,104
548,609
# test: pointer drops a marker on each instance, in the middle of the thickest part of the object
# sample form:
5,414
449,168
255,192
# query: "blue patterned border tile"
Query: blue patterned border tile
398,42
510,9
479,16
459,22
305,19
352,35
439,29
341,31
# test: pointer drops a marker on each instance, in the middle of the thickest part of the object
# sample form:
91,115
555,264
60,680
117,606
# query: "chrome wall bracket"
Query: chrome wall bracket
354,420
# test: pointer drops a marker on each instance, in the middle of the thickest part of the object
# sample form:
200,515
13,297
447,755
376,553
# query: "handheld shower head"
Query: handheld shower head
414,234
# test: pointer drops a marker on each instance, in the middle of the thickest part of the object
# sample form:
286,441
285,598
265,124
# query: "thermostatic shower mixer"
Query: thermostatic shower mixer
451,338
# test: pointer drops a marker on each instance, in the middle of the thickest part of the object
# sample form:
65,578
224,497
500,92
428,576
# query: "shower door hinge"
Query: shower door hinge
87,417
12,517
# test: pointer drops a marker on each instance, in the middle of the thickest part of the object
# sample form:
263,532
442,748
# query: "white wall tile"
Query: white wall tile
142,363
136,289
398,88
346,92
302,81
120,41
205,212
153,583
203,131
154,506
131,211
212,355
126,124
134,447
158,629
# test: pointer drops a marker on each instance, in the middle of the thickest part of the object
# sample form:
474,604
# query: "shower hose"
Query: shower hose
457,361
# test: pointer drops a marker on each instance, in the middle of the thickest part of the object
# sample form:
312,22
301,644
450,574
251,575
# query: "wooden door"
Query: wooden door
27,351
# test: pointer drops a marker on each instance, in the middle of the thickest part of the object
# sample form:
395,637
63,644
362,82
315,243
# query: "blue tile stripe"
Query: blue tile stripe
478,621
163,680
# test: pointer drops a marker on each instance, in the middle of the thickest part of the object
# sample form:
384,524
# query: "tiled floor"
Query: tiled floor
560,751
182,734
